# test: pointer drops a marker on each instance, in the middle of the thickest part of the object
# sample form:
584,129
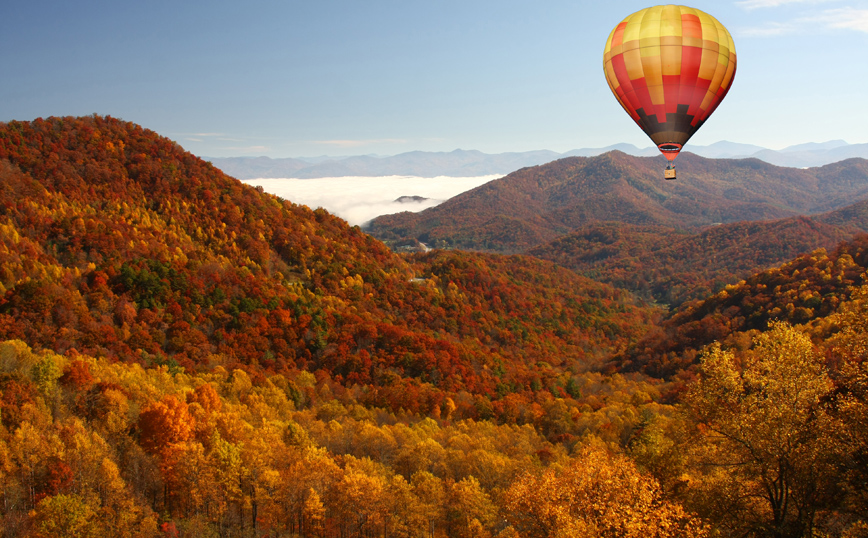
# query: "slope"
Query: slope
119,244
536,205
807,288
671,266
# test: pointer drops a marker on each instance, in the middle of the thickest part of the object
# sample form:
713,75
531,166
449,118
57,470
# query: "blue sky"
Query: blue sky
329,77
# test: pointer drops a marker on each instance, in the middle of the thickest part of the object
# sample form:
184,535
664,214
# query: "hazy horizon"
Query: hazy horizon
687,148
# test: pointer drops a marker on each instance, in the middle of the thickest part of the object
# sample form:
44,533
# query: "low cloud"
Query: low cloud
358,200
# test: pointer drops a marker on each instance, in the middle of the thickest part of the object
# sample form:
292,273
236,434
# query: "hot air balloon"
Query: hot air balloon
669,67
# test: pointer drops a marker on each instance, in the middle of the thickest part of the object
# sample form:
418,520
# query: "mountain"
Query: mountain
121,245
815,146
536,205
457,163
852,217
629,149
462,163
257,167
813,154
184,355
725,150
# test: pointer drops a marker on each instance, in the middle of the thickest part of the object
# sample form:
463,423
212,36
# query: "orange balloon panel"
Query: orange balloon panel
669,66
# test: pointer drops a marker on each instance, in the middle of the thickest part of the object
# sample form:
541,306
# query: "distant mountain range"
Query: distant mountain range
460,163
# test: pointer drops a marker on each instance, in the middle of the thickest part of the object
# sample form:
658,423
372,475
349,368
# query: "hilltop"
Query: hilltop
806,290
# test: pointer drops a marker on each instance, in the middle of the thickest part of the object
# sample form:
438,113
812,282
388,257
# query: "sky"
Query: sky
294,78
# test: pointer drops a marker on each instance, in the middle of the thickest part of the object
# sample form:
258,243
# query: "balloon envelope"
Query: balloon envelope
669,67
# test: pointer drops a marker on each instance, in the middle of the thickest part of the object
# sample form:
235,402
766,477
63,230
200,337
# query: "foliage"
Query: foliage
673,267
221,453
117,243
186,356
765,434
598,494
809,288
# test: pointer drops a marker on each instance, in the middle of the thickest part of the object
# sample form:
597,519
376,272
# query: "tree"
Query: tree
358,498
77,375
432,496
313,514
597,495
164,423
765,446
470,511
849,348
65,515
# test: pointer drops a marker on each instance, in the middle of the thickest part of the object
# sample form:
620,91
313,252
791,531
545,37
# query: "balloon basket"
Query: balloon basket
669,172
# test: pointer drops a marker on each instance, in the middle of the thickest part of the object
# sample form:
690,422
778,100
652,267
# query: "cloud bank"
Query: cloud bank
358,200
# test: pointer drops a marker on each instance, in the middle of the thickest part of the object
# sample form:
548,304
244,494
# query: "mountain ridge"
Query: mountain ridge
462,163
543,202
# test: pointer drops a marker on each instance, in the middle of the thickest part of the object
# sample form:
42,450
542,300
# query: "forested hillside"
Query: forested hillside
127,247
610,218
182,355
671,266
538,204
808,289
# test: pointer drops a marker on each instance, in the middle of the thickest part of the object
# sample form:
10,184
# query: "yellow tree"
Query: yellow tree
299,472
358,498
431,493
849,347
764,443
224,462
406,516
470,511
313,514
65,515
597,495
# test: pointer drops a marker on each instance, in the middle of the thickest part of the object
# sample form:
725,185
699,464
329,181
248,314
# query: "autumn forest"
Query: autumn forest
182,355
